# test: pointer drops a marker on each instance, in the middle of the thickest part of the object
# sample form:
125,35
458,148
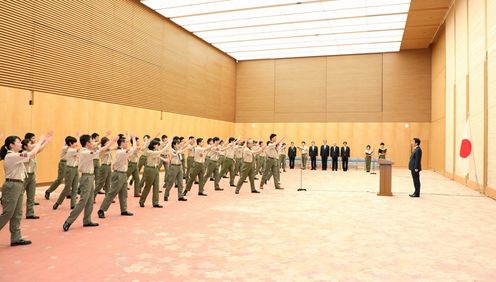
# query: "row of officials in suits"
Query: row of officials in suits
326,152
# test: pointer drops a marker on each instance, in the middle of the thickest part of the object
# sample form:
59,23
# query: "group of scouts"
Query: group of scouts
89,164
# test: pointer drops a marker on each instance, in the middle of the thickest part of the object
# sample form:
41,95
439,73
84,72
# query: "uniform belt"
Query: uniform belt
72,166
133,163
86,173
151,166
118,171
230,158
247,162
176,164
64,161
30,173
106,164
271,158
199,163
14,180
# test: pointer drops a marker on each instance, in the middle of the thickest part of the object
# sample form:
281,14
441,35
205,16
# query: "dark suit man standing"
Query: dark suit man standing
345,155
415,166
334,157
313,152
292,155
324,154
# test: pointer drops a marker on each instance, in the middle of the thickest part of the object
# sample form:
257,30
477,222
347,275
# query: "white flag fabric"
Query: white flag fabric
465,150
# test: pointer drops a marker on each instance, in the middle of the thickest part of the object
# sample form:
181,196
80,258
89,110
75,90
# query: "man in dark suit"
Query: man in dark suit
313,152
345,155
334,157
324,154
415,166
292,155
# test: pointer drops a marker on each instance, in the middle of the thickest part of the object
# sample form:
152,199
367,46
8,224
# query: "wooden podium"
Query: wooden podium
385,167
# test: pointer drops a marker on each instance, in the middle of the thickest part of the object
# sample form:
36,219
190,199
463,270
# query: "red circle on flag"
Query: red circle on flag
465,148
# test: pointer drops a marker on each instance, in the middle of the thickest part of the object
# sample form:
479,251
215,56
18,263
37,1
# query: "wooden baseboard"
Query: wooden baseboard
448,175
491,192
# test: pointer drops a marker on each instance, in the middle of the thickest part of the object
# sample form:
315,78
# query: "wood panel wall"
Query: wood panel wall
395,135
65,115
438,120
115,51
470,91
390,87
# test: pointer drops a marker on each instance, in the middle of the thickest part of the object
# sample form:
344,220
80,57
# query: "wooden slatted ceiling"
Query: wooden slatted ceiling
424,19
115,51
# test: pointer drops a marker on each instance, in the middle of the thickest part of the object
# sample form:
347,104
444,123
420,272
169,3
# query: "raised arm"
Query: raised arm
40,145
110,143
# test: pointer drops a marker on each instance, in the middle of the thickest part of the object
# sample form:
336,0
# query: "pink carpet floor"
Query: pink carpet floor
338,230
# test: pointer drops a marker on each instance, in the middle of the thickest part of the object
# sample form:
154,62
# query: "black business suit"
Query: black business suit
291,156
415,166
324,154
345,155
313,152
334,156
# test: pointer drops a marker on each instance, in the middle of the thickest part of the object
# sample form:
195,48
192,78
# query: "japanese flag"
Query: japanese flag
465,150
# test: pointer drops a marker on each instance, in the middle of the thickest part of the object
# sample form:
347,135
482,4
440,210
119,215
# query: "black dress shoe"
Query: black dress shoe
101,214
137,195
142,205
36,204
414,195
131,182
255,191
91,224
72,207
55,206
219,189
126,213
47,195
66,226
256,178
182,199
279,188
158,206
202,194
237,192
21,242
232,185
196,182
100,193
166,199
211,179
32,217
68,196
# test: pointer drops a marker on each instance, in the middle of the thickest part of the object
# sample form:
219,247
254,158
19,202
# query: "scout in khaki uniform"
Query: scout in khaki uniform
95,139
191,160
282,156
30,181
368,157
175,171
132,168
13,187
71,173
183,158
248,167
272,162
60,173
262,158
142,159
119,177
151,174
105,171
87,181
211,164
198,169
222,156
304,155
228,165
238,159
164,142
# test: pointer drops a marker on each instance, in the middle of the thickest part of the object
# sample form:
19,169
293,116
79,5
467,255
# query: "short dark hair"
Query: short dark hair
153,143
132,140
417,141
382,143
272,136
25,143
104,141
231,139
95,135
345,143
216,139
84,139
28,135
69,140
164,136
181,138
303,142
199,140
120,141
209,140
146,136
175,143
368,146
191,137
